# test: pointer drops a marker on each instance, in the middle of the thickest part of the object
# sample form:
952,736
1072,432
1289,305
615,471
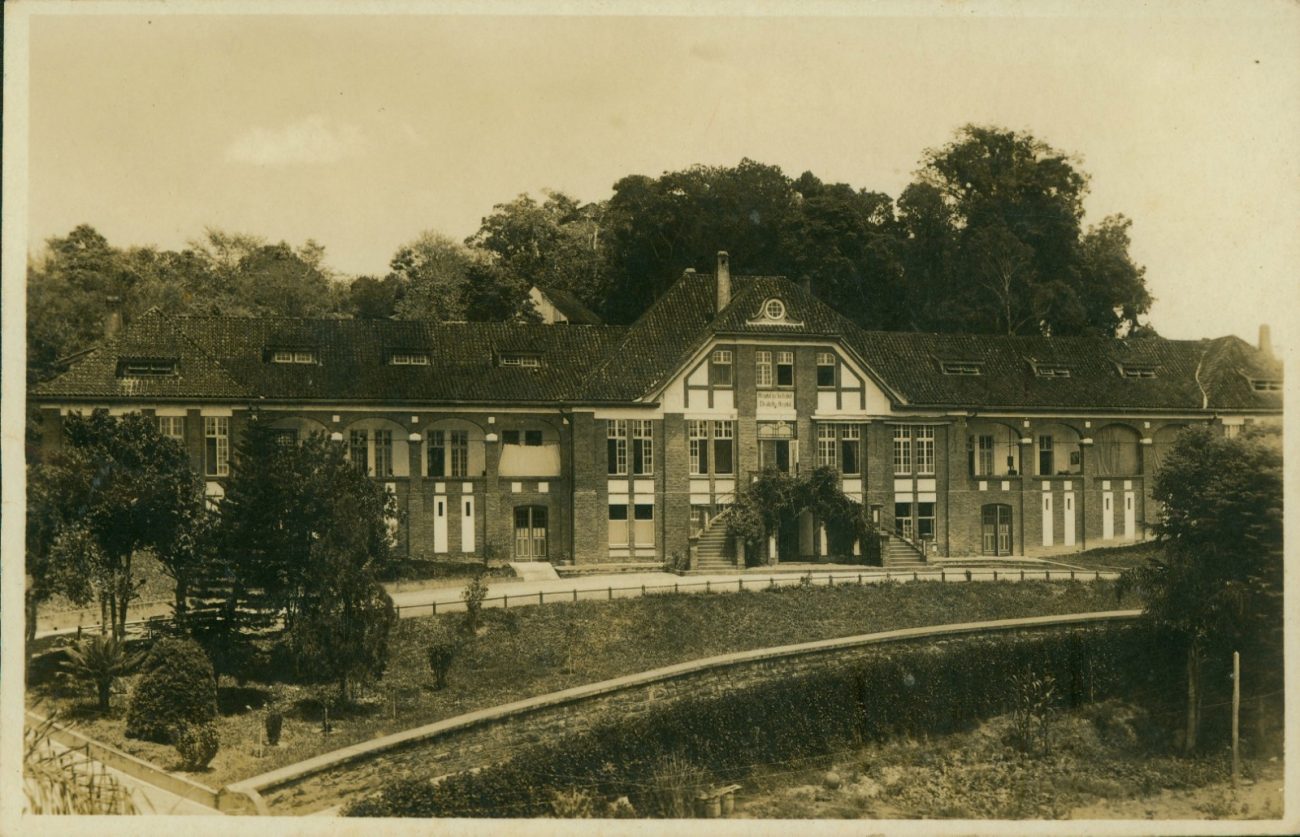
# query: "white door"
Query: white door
1048,529
1107,516
1068,520
440,524
1130,516
467,524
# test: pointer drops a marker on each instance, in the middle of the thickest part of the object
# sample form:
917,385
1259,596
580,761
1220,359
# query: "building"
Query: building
593,444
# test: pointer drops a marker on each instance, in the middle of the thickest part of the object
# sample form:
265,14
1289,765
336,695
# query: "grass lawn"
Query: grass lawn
1102,762
535,650
1111,557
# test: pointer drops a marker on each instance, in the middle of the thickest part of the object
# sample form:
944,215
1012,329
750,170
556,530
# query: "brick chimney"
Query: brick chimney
112,317
1265,340
724,282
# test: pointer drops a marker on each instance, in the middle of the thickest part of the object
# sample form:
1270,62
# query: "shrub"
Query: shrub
473,594
274,723
177,687
100,661
197,744
443,648
673,786
571,805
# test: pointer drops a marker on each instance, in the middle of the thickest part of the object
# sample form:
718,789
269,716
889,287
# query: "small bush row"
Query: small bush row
912,689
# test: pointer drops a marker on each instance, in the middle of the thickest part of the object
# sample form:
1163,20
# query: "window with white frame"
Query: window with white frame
724,433
173,427
300,356
643,461
359,450
720,368
902,450
216,445
697,433
785,369
449,453
763,370
924,439
850,448
643,524
383,453
408,359
524,360
826,368
616,446
826,446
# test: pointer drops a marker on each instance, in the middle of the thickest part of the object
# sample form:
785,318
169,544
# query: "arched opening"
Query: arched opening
1056,451
1162,441
454,449
992,450
379,447
530,449
1118,451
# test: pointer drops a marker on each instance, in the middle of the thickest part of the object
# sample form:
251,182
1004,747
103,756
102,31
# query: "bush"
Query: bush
197,744
443,648
571,805
916,689
274,723
177,688
473,594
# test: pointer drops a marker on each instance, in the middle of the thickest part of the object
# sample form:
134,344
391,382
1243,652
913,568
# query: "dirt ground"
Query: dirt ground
1262,799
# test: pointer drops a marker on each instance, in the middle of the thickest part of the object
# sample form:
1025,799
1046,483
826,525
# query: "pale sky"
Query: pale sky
361,132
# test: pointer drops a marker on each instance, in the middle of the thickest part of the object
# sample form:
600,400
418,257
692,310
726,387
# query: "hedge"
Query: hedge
908,689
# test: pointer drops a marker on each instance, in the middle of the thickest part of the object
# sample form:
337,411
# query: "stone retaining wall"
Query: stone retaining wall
493,734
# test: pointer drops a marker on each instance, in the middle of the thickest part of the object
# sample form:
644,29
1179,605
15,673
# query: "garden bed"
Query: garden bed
520,653
1111,557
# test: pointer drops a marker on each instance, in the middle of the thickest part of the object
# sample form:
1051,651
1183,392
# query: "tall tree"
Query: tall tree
1217,583
118,487
430,275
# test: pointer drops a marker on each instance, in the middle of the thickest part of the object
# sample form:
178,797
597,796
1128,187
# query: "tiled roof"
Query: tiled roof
226,358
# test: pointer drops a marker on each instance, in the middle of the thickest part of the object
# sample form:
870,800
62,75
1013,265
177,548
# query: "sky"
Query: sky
362,131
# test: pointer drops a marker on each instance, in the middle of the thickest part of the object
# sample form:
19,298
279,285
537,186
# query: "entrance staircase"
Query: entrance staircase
899,554
713,555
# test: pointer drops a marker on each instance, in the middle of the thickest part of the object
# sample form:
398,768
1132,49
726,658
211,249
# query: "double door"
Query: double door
530,533
996,529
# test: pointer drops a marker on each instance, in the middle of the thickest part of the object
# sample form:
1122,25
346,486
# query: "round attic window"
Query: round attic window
774,309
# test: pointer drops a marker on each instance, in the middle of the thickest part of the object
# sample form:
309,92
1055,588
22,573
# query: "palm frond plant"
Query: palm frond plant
100,660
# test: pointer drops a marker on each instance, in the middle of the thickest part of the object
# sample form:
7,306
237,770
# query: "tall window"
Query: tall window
785,369
359,450
216,448
983,454
173,427
643,524
437,453
825,370
383,453
723,447
925,521
616,447
720,368
618,524
1046,460
850,449
698,440
826,446
643,461
459,453
924,437
902,450
763,369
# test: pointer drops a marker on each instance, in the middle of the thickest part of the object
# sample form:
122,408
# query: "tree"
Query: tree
430,275
1216,585
117,487
304,539
53,565
100,660
374,299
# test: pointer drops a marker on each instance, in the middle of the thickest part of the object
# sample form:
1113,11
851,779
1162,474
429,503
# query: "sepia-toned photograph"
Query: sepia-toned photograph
438,415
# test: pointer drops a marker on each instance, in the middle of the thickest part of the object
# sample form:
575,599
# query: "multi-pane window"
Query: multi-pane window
724,433
408,359
359,450
173,427
643,461
925,521
924,438
449,452
825,370
292,356
698,440
785,369
982,454
383,453
850,448
763,369
826,445
616,446
720,368
216,447
1046,458
285,437
459,453
437,453
902,450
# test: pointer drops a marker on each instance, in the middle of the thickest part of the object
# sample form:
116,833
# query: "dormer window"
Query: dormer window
146,367
961,367
1266,384
1137,370
524,360
408,359
1051,370
774,309
301,356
